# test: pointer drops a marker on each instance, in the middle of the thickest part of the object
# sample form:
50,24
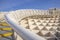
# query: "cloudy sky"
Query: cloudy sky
8,5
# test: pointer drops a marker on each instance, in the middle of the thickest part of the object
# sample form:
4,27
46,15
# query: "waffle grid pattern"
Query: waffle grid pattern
48,27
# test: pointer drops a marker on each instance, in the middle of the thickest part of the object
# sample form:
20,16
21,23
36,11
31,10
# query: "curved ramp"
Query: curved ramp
14,18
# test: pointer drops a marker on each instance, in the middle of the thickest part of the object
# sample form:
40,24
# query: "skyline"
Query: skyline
10,5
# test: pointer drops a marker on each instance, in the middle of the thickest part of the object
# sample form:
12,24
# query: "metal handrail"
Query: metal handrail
23,32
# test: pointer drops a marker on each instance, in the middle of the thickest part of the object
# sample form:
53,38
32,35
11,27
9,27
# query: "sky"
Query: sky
10,5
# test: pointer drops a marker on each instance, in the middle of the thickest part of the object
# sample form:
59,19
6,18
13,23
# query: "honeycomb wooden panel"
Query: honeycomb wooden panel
46,28
35,31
